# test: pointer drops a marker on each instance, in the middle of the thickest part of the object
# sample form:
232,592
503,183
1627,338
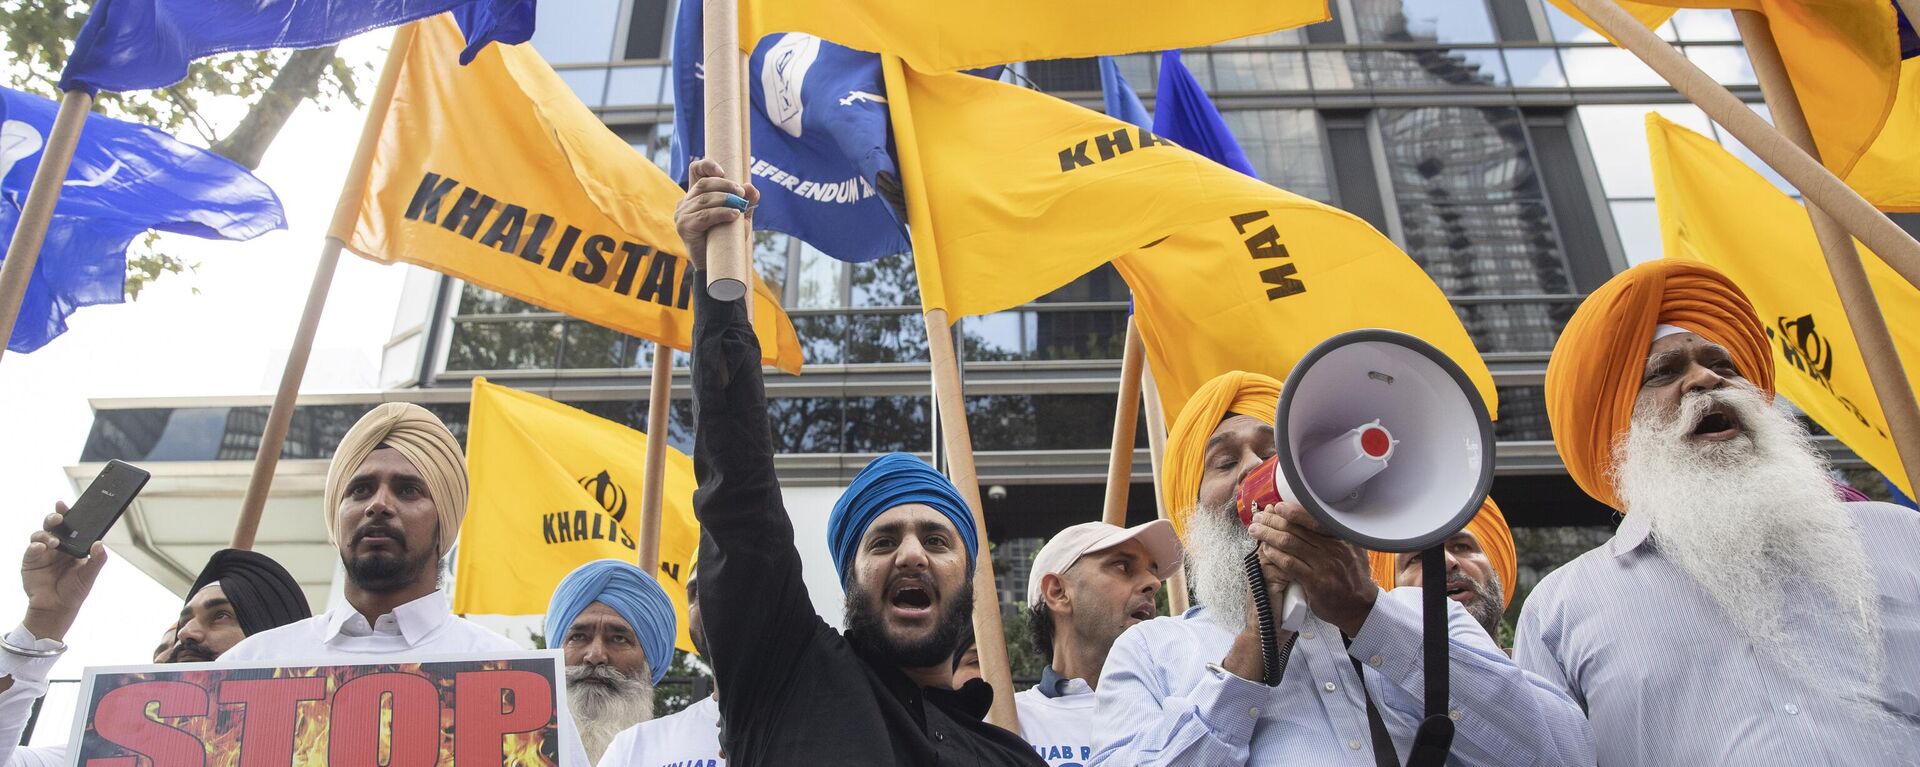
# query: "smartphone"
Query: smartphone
90,518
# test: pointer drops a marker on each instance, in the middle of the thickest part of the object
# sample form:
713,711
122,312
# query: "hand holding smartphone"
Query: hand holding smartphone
111,492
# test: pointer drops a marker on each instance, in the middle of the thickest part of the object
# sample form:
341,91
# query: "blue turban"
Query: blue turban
894,479
632,593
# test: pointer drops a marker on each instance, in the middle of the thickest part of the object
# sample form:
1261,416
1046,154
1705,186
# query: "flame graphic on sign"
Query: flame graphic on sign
219,731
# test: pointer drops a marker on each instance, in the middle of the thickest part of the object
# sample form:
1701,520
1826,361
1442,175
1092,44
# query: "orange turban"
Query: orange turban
1231,393
1594,374
1490,527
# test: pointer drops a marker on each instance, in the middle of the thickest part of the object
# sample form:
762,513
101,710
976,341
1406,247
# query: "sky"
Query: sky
230,338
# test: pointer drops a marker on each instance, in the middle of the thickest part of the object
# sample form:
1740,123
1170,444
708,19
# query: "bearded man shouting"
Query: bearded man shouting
1742,614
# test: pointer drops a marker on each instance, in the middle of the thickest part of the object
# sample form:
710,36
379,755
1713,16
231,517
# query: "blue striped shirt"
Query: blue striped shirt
1160,704
1667,680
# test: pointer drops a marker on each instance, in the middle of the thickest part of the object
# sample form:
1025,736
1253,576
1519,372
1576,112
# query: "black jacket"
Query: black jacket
793,691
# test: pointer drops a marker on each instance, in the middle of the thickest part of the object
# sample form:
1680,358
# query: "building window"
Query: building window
1617,136
1286,147
1423,21
576,31
1471,202
1475,215
1065,75
647,29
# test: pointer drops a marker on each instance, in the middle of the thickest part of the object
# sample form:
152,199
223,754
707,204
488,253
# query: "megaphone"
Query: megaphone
1383,439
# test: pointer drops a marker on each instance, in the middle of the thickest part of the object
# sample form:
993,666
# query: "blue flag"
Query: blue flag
125,179
134,44
821,143
1122,102
1182,112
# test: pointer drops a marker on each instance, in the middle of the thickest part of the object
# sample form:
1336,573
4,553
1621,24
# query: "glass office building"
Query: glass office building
1497,142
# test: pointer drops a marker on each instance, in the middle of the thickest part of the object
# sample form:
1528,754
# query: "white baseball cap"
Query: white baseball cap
1069,545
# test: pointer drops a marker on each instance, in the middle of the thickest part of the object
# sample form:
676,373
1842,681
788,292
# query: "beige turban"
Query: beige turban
425,442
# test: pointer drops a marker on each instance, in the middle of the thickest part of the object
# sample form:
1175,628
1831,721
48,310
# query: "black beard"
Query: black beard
383,573
867,631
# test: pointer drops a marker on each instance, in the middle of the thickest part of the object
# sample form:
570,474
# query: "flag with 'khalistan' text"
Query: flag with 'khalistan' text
1714,208
555,488
1012,193
497,174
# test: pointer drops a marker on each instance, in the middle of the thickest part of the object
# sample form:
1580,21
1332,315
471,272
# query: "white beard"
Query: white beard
601,712
1217,545
1747,519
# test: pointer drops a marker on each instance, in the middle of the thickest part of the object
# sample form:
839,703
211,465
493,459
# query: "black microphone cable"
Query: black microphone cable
1273,657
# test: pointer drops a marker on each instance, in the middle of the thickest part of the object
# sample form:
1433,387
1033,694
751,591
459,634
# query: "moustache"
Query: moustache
189,651
382,529
603,674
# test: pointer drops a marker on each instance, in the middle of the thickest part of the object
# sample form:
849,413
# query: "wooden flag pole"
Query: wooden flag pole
1125,413
952,415
345,212
987,632
1157,449
727,265
1818,185
659,404
30,232
1884,367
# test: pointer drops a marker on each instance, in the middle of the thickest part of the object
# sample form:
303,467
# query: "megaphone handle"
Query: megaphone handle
1293,608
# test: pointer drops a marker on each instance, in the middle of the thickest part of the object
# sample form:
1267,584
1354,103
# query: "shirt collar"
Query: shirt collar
416,619
1632,532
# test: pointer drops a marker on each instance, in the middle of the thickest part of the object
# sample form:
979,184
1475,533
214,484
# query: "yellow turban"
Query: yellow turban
1237,393
1594,374
425,442
1490,527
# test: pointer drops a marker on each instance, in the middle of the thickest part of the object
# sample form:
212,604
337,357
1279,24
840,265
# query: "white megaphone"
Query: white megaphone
1383,439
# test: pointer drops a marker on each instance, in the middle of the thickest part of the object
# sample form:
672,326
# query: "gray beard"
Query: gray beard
602,711
1756,523
1217,545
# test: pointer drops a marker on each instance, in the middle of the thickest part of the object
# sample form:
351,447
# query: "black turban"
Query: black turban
264,594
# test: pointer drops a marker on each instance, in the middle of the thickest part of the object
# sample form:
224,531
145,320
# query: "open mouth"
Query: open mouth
1459,591
1142,613
910,596
1717,424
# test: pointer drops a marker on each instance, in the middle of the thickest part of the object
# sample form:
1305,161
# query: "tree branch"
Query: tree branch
298,80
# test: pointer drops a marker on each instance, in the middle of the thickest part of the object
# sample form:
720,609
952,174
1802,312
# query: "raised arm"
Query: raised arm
56,586
754,605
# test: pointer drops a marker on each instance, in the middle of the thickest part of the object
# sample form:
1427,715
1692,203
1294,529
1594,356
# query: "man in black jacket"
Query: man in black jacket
792,689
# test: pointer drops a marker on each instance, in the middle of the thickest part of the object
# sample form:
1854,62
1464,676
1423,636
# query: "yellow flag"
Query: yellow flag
1843,58
554,488
496,173
943,37
1889,174
1012,193
1714,208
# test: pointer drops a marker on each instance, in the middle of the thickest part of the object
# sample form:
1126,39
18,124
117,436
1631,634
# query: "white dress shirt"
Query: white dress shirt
687,738
1164,700
1060,727
1666,679
16,703
423,628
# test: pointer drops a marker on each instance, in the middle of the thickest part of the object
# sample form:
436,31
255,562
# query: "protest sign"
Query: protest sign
445,711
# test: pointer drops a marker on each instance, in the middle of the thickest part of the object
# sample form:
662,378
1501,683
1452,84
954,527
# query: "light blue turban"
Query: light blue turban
632,593
894,479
